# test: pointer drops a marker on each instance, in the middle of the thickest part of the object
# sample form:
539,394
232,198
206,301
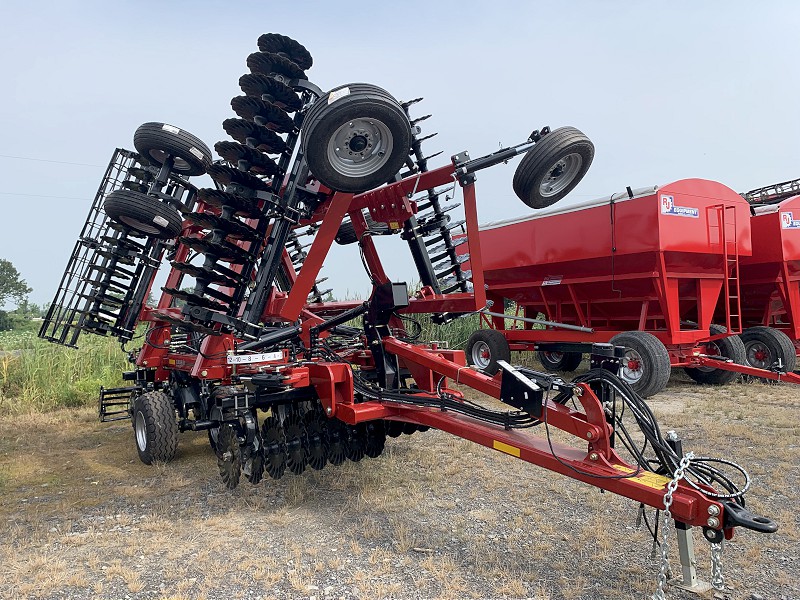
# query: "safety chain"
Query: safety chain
717,579
680,472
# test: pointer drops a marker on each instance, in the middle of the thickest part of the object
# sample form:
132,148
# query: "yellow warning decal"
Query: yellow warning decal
651,480
508,449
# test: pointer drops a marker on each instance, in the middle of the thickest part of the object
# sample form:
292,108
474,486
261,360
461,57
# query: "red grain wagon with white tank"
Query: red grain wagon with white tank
654,269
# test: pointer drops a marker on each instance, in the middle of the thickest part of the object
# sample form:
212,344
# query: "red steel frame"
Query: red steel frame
592,461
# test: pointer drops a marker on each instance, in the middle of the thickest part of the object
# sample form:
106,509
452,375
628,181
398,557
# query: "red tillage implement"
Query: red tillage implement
655,270
245,345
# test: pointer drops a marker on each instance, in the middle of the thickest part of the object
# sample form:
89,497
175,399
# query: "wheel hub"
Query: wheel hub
358,143
360,147
632,367
481,355
759,355
561,175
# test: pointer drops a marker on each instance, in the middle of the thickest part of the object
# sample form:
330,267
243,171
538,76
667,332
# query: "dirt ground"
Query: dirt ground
433,517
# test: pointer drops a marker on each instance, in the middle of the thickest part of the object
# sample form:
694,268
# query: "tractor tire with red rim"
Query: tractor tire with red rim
485,347
764,346
553,167
729,347
356,137
645,364
143,213
155,427
156,141
559,361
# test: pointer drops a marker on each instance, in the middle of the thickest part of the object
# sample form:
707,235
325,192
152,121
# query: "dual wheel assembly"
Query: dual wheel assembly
173,150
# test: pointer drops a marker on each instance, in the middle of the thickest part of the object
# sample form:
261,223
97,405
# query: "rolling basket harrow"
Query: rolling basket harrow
245,343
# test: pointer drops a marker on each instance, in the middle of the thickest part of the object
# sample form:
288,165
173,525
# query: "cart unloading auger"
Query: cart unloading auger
243,342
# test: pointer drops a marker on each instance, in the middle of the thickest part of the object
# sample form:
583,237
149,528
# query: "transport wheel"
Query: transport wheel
559,361
143,213
155,427
645,364
485,347
553,167
229,456
764,346
157,141
729,347
356,137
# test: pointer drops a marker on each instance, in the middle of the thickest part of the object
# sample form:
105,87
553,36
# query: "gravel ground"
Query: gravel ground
433,517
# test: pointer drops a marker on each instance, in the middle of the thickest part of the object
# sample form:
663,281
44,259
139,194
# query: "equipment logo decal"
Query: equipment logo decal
788,221
668,208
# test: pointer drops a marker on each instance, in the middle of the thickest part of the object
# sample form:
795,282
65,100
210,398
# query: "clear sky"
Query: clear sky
665,90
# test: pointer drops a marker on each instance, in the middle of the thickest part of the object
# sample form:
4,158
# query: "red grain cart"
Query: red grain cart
770,286
648,269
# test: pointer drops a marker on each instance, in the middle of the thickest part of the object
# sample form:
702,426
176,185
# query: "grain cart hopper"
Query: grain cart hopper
656,270
770,278
244,344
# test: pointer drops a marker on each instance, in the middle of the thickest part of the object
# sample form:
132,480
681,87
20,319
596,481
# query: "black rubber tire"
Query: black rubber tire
155,427
653,370
155,141
559,361
347,233
563,144
485,347
328,119
143,213
773,343
730,347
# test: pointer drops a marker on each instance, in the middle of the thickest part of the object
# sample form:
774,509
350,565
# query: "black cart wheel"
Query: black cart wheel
143,213
559,361
765,346
729,347
553,167
356,137
155,427
157,141
645,364
485,347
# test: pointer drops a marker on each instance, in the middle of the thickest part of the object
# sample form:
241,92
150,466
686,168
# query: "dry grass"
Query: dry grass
434,517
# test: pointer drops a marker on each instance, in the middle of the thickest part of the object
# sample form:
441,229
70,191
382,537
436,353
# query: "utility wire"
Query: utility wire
60,162
42,196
